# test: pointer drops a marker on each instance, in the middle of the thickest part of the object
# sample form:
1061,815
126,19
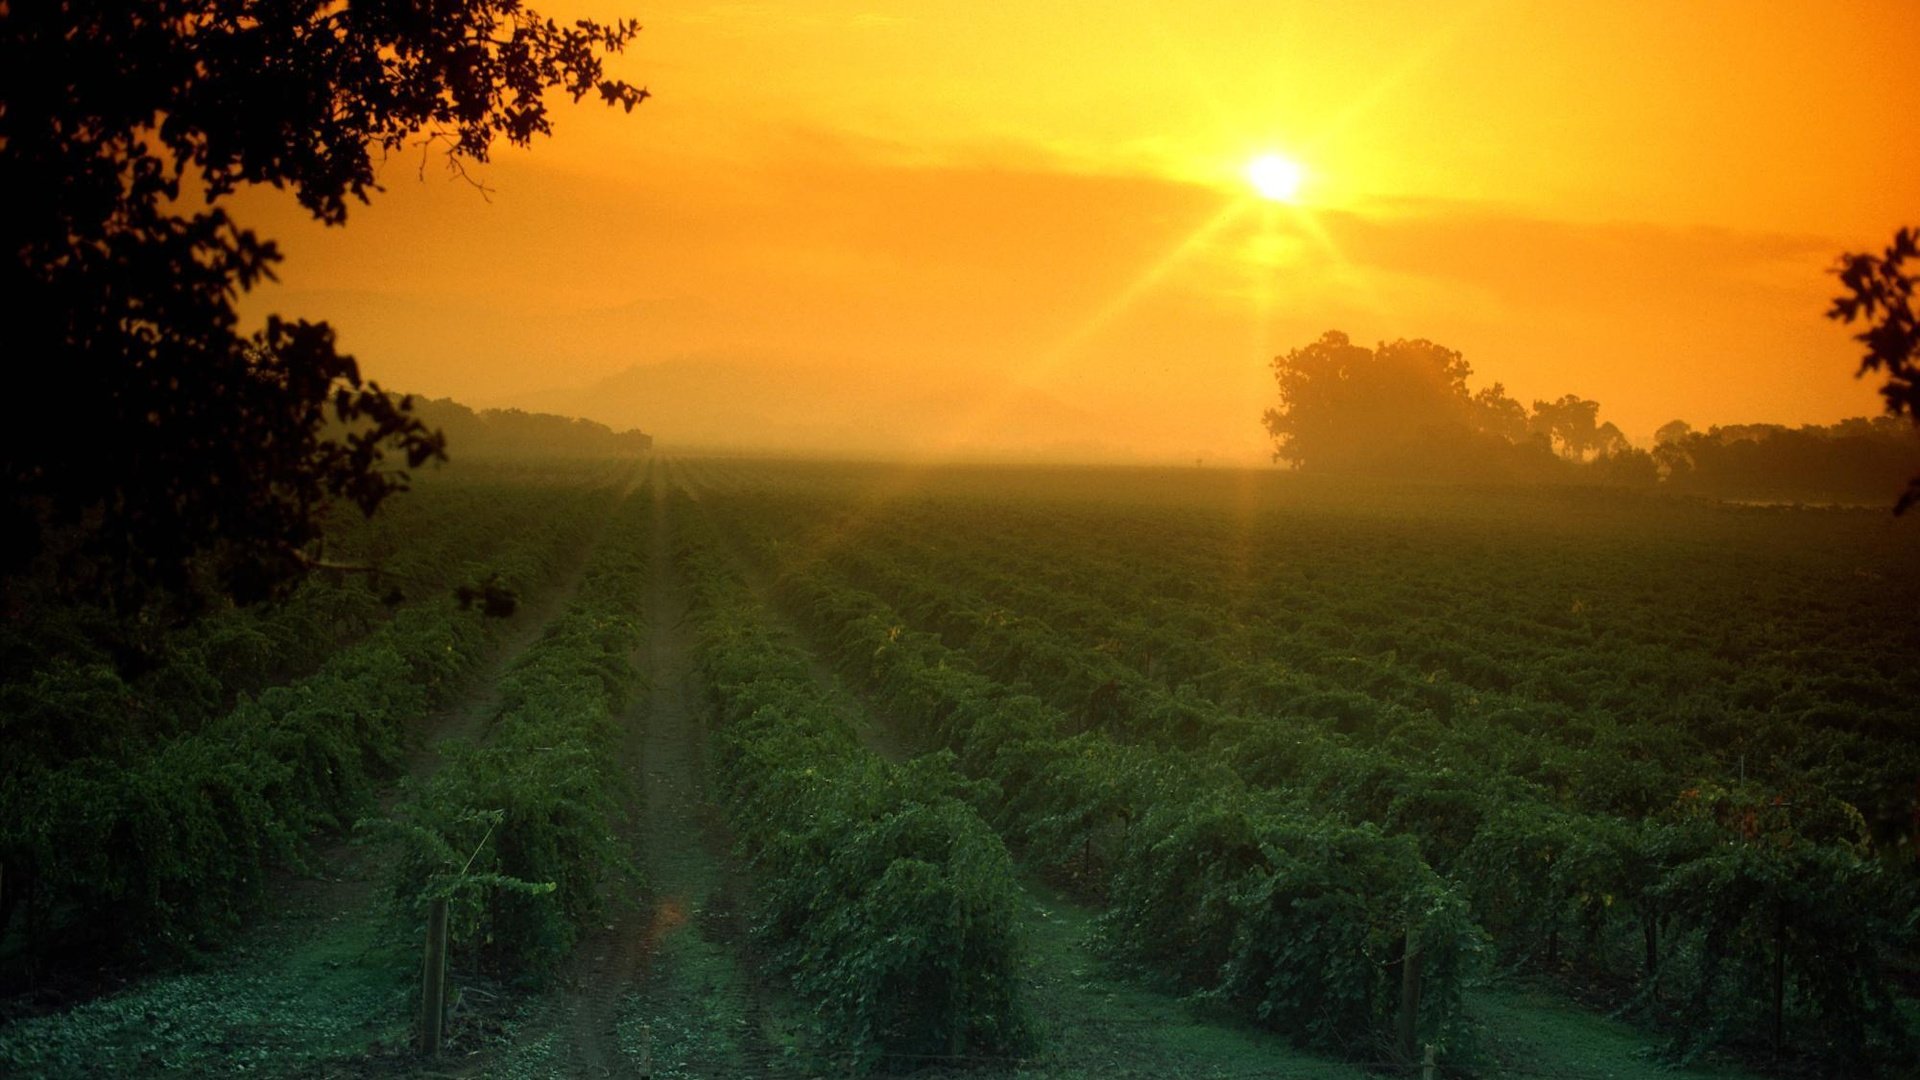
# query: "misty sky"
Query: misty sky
1026,229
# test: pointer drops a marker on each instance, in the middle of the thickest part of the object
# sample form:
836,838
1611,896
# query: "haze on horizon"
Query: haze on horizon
961,230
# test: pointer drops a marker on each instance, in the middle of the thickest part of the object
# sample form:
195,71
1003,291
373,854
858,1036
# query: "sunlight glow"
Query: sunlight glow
1275,177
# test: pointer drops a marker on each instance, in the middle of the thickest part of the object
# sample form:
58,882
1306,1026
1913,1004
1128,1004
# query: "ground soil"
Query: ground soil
684,948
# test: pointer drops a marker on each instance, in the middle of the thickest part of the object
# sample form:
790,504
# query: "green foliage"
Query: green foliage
881,893
121,840
1786,937
517,833
1292,919
152,853
1880,292
1662,752
1564,749
298,1003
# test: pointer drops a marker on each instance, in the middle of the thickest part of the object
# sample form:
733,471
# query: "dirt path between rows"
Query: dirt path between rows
879,737
665,988
345,875
467,715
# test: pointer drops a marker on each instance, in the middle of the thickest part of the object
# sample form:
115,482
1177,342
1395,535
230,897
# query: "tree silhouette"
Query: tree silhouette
152,447
1672,432
1880,291
1571,422
1499,414
1343,404
1609,440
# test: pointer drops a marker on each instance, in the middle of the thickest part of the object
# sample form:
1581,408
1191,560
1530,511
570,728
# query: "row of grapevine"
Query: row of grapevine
1735,911
1331,932
81,683
882,894
148,853
1800,685
517,831
1747,911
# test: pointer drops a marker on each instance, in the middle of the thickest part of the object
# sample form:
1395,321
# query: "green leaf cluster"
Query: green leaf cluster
881,893
1296,920
141,812
1563,768
517,832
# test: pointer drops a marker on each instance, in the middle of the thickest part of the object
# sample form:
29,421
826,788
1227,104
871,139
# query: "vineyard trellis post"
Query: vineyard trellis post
1410,996
1779,974
433,990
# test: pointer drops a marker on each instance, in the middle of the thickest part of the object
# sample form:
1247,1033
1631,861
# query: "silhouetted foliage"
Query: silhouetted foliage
1404,408
1672,432
1346,406
1880,292
155,446
516,433
1853,460
1571,422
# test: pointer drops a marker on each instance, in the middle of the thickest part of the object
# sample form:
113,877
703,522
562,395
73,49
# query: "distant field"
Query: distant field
791,768
1662,751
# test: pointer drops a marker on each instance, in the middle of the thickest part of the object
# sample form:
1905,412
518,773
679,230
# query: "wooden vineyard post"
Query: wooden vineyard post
433,986
1409,999
1779,975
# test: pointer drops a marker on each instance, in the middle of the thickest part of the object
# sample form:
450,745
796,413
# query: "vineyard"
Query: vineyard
724,767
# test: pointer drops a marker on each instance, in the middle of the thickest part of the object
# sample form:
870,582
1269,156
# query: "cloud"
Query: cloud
1122,295
1528,262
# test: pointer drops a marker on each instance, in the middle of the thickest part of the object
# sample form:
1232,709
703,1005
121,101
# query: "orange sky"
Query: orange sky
1000,229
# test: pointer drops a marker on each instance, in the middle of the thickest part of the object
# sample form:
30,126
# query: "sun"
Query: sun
1275,177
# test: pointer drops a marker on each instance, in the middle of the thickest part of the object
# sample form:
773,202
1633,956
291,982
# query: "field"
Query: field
785,768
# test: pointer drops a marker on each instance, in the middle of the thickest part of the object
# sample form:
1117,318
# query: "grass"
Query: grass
1095,1023
1530,1032
695,1017
284,998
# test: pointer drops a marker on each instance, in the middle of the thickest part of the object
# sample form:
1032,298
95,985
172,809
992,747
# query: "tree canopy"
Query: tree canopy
1343,404
1854,461
1404,407
153,445
1879,291
1572,423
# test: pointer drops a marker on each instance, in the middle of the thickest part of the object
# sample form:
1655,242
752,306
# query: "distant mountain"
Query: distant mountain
767,404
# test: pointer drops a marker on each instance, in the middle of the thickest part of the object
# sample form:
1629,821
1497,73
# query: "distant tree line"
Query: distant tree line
489,433
1404,408
1857,459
